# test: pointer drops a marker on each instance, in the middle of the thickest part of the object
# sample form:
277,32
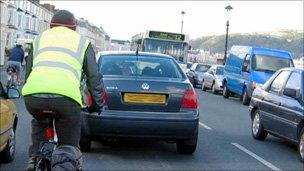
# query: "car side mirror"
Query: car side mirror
245,67
13,93
293,93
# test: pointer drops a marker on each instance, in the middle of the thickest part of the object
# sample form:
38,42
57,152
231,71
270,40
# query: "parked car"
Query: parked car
278,108
196,73
213,79
183,67
189,64
8,123
249,67
146,96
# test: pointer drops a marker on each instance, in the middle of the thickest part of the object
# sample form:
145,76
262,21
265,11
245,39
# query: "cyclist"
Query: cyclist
53,75
15,59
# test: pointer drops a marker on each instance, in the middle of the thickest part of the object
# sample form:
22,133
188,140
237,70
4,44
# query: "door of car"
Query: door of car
245,73
5,118
290,110
208,77
270,105
191,73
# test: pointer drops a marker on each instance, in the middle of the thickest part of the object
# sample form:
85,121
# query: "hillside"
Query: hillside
290,40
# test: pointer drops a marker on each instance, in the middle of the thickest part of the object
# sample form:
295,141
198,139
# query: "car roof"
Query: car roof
202,63
129,53
217,65
293,69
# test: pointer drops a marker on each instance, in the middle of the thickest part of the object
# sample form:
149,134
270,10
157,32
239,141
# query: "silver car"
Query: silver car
213,79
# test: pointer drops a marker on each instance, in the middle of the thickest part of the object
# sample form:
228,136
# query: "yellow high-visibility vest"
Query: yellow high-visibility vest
58,55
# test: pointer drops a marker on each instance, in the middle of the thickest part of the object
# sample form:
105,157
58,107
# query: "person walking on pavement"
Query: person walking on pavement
15,59
54,69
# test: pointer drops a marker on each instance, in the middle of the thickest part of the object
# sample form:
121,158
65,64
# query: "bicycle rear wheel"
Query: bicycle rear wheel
43,165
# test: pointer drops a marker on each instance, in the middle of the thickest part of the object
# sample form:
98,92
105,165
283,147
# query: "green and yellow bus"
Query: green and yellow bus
174,44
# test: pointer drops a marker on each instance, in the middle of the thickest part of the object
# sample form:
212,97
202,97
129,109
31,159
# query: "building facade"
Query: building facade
120,45
99,39
25,19
21,19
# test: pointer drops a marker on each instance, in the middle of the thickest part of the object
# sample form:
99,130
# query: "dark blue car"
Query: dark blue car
146,96
249,67
278,108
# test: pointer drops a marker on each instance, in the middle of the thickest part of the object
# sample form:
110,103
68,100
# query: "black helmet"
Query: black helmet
63,18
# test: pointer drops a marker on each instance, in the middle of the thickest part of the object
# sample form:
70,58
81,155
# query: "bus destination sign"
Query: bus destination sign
167,36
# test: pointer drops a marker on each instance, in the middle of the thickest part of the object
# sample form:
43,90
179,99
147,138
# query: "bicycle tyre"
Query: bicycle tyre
43,165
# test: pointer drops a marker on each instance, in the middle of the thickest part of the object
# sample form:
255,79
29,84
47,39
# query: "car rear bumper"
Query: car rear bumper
181,125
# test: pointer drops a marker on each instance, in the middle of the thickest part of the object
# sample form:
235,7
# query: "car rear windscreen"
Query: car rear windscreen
139,66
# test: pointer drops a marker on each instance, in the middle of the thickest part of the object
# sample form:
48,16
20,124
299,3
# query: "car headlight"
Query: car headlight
254,85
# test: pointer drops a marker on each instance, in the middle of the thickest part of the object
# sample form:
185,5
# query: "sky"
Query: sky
123,19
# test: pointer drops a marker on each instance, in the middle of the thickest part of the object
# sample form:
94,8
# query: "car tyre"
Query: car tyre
194,83
226,92
213,89
301,146
245,98
8,154
187,146
257,129
204,88
85,143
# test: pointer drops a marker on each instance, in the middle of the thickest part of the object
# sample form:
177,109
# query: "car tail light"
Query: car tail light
190,99
49,133
89,100
105,98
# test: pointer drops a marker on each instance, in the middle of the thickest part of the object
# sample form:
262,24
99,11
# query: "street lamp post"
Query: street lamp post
228,8
182,23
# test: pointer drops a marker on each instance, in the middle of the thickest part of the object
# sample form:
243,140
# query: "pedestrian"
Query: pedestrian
54,69
15,59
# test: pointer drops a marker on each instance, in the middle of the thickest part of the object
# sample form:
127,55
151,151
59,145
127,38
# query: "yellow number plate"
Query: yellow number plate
144,98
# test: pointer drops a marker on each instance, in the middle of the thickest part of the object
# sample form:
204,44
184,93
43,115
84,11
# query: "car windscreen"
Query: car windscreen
269,63
202,68
189,65
139,66
219,70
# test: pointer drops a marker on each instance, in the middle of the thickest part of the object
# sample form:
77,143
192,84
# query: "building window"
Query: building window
27,23
19,21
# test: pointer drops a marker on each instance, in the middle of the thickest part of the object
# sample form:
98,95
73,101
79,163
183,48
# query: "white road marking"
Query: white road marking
260,159
205,126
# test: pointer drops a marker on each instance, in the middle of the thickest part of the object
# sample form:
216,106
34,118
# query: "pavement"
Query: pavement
224,143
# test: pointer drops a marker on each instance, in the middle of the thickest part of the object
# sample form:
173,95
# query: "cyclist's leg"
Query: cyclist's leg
38,127
68,128
18,71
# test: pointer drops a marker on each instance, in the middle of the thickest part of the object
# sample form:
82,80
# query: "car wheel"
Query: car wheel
245,98
194,83
226,92
204,88
85,143
8,154
187,146
257,129
301,146
213,89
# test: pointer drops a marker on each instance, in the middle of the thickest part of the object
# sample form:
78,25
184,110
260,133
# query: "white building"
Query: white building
97,36
25,19
203,56
120,45
21,19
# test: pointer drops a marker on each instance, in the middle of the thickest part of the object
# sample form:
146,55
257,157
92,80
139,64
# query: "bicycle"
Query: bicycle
11,77
44,156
